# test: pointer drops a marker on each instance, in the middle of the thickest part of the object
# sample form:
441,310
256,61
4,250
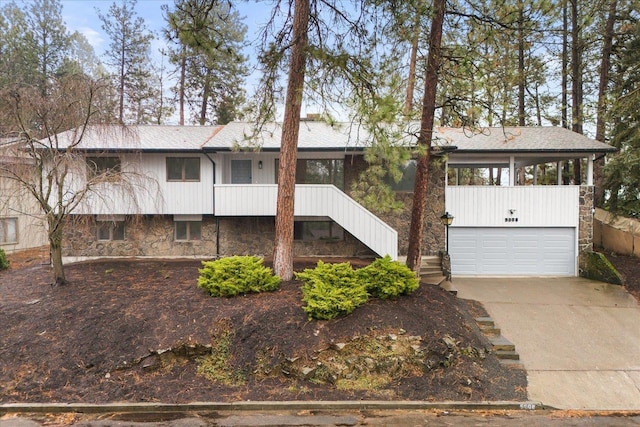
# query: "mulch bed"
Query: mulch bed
629,268
88,341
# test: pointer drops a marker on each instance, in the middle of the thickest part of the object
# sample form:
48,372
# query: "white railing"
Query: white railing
520,206
310,201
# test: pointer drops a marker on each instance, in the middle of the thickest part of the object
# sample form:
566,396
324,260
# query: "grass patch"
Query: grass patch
217,366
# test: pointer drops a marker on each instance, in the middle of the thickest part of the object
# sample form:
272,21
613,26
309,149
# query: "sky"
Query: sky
82,16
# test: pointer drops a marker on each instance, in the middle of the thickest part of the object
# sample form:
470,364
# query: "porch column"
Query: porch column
535,174
512,171
590,169
559,173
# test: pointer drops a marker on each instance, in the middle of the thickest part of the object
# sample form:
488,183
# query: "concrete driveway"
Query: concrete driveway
579,340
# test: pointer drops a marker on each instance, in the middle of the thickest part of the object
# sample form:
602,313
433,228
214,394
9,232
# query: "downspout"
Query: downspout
213,163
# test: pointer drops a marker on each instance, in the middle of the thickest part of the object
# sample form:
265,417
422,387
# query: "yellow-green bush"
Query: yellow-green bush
385,278
331,290
237,275
4,262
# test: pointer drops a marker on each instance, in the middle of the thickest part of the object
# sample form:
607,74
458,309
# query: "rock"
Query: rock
338,346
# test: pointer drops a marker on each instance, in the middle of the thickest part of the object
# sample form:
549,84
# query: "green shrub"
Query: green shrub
4,262
236,275
385,278
331,290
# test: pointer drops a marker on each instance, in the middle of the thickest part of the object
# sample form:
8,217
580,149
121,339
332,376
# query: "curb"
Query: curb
12,408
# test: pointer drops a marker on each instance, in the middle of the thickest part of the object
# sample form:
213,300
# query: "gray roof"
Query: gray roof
319,136
140,138
520,139
313,136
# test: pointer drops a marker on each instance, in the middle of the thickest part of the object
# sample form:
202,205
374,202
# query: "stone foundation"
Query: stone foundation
152,236
144,236
585,226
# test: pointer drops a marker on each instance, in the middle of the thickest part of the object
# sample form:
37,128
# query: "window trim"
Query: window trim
3,222
98,171
184,169
331,238
188,231
112,224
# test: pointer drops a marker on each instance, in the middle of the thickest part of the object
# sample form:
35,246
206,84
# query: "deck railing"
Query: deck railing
310,201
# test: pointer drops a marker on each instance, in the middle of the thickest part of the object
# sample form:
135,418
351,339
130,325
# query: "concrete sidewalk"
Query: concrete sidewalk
578,339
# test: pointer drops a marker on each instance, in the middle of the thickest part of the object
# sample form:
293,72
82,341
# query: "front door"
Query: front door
241,172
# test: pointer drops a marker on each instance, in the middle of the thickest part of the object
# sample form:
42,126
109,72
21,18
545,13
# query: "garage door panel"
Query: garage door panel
512,251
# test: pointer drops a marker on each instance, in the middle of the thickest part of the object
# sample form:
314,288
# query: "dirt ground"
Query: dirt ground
629,268
103,338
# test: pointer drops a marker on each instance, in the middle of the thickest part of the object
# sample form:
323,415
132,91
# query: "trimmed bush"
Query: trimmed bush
237,275
331,290
385,278
4,262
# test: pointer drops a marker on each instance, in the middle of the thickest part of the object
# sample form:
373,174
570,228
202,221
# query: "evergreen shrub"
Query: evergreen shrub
385,278
331,290
237,275
4,262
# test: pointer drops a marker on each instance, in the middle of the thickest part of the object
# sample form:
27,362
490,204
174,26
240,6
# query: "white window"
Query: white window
110,230
8,230
183,169
317,230
188,230
107,167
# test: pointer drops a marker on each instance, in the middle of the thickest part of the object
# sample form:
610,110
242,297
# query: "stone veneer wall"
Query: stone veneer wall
153,236
255,236
144,236
433,241
585,226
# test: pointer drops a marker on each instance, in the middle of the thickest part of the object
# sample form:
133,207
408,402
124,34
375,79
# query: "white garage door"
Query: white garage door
512,251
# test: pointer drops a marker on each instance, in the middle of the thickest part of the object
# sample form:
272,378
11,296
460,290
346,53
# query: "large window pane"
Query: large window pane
319,171
407,182
317,230
8,230
192,169
183,169
108,166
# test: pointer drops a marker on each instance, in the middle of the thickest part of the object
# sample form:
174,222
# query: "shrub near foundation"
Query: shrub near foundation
4,262
331,290
385,278
237,275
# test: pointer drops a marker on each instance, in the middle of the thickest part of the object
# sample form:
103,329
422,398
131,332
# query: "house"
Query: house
21,223
211,191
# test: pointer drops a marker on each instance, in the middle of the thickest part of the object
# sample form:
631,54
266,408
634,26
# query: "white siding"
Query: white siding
533,206
310,201
145,189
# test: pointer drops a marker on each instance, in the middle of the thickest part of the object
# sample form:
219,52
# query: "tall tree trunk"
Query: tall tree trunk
521,70
55,247
181,85
598,166
426,134
206,92
565,80
576,83
283,248
411,82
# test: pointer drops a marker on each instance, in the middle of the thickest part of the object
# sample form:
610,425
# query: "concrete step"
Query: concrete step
511,363
433,279
490,331
500,343
507,355
430,270
485,321
449,287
